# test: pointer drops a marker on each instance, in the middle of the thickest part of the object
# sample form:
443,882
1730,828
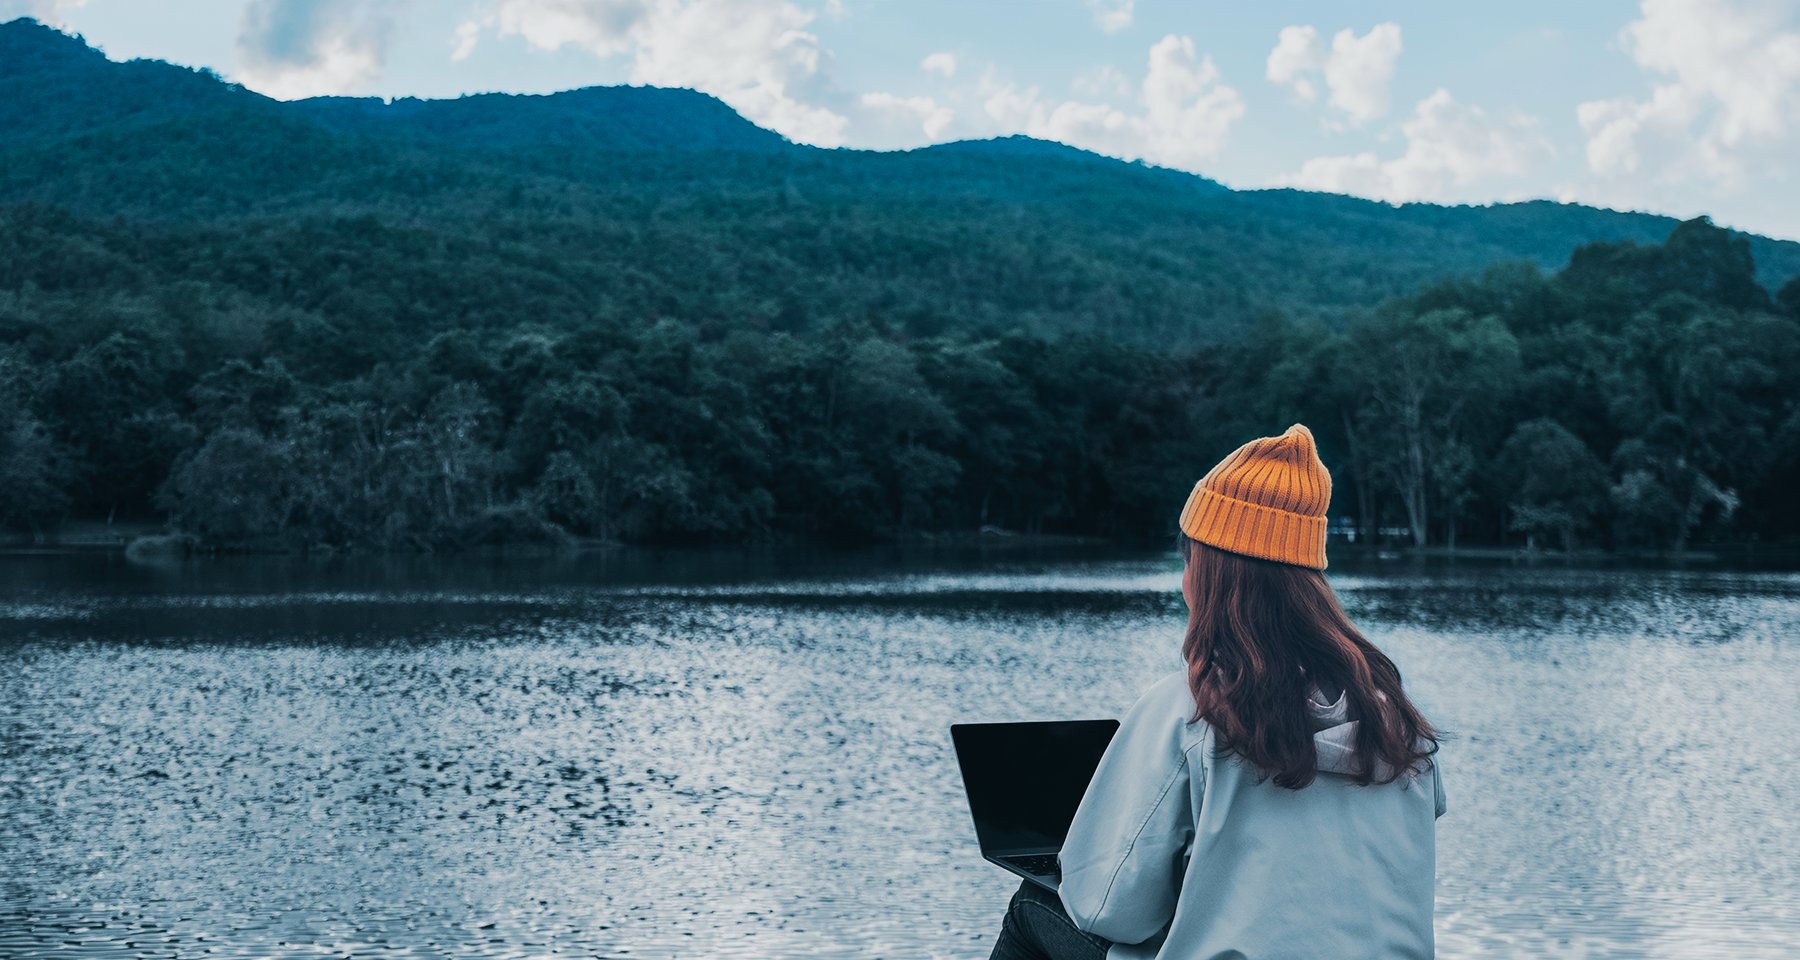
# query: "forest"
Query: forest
627,315
1641,397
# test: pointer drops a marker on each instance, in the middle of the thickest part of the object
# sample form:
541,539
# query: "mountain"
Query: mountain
53,86
636,202
624,119
630,314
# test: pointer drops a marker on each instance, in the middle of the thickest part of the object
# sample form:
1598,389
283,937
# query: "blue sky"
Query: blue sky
1675,106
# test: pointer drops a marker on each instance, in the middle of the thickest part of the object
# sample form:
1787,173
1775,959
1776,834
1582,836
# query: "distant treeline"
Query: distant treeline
1643,396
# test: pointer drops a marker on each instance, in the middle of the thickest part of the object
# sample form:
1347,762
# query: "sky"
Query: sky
1683,107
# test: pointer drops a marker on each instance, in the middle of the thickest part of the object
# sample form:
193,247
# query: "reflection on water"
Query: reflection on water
638,758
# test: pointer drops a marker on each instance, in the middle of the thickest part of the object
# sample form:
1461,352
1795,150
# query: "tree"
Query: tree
454,466
893,417
235,490
1558,487
1416,378
1662,495
34,467
996,450
1698,260
565,493
1788,300
111,402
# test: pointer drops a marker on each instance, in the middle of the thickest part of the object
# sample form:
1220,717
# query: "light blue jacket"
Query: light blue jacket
1178,854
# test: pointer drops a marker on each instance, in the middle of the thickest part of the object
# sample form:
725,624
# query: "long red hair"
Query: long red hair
1258,634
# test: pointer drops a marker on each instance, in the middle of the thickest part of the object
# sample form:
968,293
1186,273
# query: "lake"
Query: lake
746,754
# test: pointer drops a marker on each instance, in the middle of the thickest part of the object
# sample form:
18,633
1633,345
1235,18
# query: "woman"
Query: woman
1278,797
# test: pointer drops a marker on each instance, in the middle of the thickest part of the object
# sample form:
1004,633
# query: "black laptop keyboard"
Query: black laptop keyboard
1042,864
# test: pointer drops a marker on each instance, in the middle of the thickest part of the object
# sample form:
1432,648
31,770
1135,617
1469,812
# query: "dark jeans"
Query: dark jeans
1037,928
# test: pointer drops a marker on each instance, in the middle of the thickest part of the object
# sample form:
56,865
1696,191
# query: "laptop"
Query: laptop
1024,781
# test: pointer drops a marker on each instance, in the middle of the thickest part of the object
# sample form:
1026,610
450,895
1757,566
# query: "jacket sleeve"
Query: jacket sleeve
1437,779
1126,851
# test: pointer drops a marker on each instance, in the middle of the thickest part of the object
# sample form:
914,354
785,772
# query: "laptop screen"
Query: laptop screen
1026,779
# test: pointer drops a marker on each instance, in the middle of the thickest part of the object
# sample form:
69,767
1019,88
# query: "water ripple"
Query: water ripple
761,769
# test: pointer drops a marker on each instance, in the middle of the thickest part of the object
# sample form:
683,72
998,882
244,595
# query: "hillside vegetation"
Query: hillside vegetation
629,313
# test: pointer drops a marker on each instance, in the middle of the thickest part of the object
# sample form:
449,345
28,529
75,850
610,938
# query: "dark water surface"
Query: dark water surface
645,756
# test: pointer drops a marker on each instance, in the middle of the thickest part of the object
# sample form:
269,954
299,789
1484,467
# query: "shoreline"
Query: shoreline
146,541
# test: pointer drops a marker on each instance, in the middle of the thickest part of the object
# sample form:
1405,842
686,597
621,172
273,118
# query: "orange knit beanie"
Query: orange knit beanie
1268,500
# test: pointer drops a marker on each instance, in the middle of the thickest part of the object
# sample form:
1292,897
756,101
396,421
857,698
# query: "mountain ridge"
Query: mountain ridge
978,234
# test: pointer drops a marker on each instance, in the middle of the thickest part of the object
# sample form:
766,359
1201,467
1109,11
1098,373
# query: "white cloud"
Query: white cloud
1105,81
1186,111
290,49
933,118
1297,53
1189,110
1357,71
466,36
49,12
602,27
1448,146
753,54
1012,108
1111,15
939,63
1729,97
